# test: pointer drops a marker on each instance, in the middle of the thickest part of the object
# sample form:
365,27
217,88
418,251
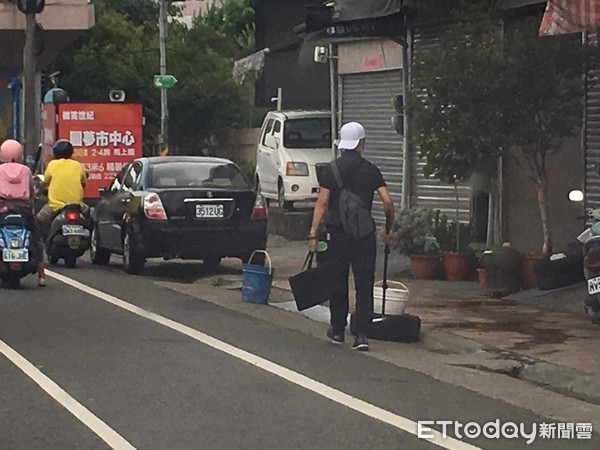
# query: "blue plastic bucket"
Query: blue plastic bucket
257,281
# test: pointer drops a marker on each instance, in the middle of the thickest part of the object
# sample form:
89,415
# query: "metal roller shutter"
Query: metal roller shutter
592,132
430,192
367,98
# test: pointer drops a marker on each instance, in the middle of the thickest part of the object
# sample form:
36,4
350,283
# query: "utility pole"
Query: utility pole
164,108
333,99
30,133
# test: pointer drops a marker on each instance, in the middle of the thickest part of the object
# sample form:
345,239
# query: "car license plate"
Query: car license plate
72,230
21,255
594,286
210,211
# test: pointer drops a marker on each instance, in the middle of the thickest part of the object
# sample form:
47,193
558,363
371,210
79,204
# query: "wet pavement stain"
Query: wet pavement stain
527,326
472,303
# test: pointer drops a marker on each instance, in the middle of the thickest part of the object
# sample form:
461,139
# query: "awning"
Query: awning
570,16
346,10
252,63
339,19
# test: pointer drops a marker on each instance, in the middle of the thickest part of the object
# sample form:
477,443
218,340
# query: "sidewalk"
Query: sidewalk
536,342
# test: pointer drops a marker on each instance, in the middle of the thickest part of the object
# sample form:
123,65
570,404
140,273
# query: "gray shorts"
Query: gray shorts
47,214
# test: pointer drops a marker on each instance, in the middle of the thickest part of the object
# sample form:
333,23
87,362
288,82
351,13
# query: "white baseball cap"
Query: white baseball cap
350,135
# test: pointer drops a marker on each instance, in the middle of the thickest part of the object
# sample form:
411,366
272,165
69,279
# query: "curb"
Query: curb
563,380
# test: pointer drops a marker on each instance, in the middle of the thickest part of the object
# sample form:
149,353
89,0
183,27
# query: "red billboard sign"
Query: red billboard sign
106,137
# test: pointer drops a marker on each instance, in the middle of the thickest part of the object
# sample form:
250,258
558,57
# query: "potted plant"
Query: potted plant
478,250
454,239
413,237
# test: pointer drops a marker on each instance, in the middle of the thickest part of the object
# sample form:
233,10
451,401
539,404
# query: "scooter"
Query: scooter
69,235
590,239
18,257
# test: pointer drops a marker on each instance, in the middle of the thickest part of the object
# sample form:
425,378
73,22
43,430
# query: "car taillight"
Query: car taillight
153,208
592,259
260,208
72,216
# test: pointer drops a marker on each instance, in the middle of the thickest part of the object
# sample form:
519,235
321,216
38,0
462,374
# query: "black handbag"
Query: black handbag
314,285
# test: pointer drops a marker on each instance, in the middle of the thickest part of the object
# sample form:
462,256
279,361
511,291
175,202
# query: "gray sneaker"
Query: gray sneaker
335,336
361,343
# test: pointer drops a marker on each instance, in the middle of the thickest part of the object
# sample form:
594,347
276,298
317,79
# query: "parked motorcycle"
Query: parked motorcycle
590,239
69,235
18,256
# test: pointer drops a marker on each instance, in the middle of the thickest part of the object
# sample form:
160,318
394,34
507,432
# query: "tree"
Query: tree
119,52
137,12
207,101
495,88
235,19
122,52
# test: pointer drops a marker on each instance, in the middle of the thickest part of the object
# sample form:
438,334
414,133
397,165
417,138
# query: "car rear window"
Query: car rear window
197,174
307,133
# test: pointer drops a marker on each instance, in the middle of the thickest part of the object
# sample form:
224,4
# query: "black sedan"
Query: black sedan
178,207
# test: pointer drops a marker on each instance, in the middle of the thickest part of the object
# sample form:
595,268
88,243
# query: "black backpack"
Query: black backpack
355,217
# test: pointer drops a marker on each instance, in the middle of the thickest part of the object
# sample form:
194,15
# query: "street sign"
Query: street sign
164,81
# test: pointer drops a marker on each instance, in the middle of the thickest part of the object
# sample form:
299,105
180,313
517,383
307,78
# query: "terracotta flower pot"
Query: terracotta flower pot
424,267
529,278
456,266
482,279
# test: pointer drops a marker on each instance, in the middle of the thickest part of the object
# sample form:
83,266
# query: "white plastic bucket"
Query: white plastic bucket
396,297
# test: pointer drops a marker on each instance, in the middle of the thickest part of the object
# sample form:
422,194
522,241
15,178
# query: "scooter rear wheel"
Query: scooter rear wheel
70,262
14,282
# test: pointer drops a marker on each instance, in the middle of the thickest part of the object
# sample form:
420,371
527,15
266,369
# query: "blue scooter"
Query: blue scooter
17,259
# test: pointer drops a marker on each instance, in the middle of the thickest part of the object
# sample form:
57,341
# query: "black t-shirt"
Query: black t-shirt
358,176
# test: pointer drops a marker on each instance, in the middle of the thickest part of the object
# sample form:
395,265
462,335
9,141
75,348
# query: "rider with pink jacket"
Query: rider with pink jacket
17,192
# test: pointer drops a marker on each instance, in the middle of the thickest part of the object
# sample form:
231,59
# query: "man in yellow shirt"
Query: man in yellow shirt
65,179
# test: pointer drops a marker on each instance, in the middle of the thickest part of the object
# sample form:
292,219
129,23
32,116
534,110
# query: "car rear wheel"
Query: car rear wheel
281,197
99,255
133,262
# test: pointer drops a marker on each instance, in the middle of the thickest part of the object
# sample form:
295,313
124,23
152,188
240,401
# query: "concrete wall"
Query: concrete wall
57,15
241,145
289,64
521,212
62,20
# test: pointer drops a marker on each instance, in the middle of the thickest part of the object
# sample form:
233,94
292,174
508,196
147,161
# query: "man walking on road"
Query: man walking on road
362,178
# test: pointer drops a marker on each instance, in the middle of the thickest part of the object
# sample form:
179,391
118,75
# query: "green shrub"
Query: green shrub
413,232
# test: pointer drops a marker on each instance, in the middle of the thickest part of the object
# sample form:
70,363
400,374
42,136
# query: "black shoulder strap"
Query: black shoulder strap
336,174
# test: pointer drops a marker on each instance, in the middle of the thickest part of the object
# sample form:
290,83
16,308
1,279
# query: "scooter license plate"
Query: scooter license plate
9,255
72,230
594,286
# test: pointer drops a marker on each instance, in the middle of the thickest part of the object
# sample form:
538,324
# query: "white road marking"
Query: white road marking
298,379
104,432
